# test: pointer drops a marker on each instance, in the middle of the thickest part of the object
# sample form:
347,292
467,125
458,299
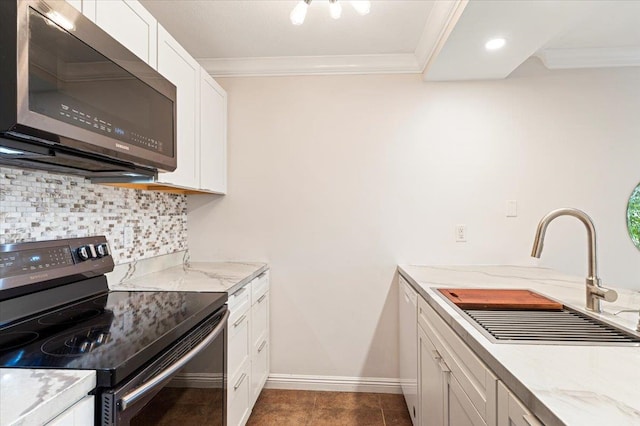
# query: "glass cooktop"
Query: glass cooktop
114,333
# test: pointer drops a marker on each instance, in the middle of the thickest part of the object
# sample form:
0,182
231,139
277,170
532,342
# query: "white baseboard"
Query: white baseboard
299,382
333,383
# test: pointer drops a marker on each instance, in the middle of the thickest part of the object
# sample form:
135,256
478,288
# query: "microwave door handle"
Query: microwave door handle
142,390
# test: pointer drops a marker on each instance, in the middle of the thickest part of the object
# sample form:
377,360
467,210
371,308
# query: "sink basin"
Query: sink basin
566,326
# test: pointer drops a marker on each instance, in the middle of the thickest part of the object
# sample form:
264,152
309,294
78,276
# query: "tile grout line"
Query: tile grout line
384,421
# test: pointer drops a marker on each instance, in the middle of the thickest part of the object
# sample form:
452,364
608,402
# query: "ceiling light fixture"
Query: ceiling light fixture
335,9
495,44
299,12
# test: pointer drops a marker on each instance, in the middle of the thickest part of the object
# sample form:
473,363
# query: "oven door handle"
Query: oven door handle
139,392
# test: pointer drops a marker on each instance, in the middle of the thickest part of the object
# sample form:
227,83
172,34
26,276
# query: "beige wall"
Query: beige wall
334,180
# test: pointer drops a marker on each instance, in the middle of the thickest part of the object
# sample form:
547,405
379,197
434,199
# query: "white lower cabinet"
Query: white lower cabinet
407,342
248,348
455,388
80,414
259,335
431,382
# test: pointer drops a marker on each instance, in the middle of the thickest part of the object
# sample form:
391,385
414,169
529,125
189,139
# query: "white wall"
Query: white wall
334,180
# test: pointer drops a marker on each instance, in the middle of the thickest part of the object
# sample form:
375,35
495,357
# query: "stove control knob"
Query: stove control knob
102,250
83,252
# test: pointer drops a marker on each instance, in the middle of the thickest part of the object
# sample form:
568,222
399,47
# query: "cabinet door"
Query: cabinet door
408,344
128,22
259,368
239,396
213,135
432,382
475,378
176,65
511,412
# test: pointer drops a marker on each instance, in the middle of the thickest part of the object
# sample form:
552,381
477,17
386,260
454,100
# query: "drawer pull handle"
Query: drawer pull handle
443,366
264,343
262,298
240,380
239,292
239,320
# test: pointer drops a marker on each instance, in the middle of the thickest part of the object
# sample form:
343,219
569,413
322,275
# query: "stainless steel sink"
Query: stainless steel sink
565,327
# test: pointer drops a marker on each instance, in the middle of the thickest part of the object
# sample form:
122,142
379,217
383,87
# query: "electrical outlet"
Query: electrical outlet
461,233
512,208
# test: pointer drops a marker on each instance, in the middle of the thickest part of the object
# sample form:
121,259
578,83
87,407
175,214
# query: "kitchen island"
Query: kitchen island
559,384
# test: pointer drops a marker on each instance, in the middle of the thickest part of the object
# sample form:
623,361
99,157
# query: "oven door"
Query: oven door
122,405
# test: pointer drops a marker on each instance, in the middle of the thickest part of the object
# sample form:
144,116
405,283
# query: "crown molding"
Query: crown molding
602,57
438,26
311,65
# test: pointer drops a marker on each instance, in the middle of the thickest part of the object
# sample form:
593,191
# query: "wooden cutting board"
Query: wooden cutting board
475,298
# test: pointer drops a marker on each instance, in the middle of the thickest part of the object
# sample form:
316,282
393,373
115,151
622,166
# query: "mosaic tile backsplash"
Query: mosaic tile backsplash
37,205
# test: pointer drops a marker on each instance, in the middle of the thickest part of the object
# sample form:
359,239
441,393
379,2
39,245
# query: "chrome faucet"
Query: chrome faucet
595,292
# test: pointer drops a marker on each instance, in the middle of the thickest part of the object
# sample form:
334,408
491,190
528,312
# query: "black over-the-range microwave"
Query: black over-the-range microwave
74,100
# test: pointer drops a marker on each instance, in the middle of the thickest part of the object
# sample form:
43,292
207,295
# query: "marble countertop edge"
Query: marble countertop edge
43,395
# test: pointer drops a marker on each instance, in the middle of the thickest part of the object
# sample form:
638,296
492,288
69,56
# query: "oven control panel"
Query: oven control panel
39,261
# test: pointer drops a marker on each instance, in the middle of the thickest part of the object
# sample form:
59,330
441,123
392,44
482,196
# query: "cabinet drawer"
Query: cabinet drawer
259,286
477,381
239,302
239,396
259,368
239,342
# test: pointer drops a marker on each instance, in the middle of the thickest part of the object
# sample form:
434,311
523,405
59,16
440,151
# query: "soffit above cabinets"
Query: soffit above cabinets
562,33
443,40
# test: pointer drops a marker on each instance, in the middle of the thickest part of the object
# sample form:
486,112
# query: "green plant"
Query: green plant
633,216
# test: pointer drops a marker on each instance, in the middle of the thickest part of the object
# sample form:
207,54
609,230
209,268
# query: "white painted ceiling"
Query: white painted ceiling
261,28
444,39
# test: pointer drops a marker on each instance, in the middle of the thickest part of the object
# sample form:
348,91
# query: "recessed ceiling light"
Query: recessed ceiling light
495,44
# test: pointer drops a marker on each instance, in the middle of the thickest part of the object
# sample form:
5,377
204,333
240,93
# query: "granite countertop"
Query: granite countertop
193,276
572,385
32,397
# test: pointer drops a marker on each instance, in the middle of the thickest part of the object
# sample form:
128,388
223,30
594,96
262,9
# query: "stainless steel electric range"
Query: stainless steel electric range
56,311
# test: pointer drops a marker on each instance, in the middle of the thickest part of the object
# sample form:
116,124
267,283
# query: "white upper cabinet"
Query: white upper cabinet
128,22
201,122
213,135
176,65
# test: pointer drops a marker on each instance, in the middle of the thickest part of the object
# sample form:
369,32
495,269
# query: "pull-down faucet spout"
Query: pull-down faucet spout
595,292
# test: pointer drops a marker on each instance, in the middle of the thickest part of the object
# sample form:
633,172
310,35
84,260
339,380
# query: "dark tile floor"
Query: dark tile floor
290,407
188,406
